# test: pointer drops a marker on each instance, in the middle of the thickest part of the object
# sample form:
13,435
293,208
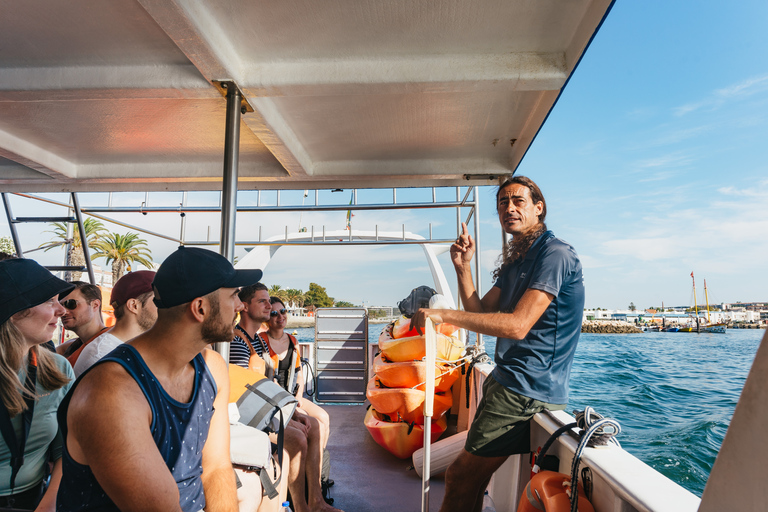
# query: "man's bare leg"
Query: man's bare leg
321,416
273,505
466,480
314,468
296,444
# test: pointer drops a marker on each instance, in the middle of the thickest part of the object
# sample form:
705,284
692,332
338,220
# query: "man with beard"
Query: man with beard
146,428
135,313
535,310
83,317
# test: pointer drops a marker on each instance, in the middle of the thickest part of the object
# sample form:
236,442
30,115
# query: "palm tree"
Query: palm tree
122,250
295,297
7,246
277,291
94,231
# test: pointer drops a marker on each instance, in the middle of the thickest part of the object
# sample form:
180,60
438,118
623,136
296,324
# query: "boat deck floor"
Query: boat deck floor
368,478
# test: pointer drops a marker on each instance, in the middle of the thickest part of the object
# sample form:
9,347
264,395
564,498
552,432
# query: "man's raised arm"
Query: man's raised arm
514,325
461,256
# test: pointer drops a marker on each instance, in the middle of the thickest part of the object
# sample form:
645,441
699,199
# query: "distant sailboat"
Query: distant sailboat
698,327
710,327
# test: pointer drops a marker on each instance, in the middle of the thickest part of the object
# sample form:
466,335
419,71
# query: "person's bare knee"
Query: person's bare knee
249,493
295,441
315,428
320,414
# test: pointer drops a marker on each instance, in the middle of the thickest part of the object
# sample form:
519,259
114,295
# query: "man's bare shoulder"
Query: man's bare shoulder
107,386
215,363
219,370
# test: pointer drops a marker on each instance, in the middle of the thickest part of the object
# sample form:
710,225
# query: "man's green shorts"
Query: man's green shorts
502,423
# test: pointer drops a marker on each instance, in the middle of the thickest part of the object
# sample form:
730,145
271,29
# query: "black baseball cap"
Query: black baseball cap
191,272
25,284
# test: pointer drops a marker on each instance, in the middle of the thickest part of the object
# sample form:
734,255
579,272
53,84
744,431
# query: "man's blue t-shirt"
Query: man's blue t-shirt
539,366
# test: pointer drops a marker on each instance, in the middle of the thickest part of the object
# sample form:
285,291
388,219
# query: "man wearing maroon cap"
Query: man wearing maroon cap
135,313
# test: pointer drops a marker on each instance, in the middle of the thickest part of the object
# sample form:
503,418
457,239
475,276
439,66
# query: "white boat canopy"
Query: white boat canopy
122,95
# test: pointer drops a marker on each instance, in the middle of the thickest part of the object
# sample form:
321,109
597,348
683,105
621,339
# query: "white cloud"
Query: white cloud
645,249
589,262
641,113
744,88
719,97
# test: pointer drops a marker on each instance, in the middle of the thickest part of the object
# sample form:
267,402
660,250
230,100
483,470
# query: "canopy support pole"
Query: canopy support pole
229,183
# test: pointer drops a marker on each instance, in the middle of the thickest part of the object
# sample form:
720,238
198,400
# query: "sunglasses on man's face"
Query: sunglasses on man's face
275,312
70,304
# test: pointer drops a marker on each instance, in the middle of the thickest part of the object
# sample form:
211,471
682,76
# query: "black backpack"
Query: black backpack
418,298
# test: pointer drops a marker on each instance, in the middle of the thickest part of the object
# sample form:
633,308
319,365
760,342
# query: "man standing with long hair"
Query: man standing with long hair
535,311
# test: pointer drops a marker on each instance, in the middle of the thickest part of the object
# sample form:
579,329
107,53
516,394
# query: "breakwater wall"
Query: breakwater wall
609,327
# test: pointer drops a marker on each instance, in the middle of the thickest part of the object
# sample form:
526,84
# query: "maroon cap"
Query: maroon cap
131,286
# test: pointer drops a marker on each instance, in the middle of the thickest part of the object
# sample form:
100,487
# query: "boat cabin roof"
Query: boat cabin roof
122,95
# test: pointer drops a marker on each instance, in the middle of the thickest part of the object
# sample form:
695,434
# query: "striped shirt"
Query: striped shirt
239,353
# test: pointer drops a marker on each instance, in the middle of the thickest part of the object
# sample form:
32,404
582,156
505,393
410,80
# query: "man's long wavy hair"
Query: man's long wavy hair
12,349
518,246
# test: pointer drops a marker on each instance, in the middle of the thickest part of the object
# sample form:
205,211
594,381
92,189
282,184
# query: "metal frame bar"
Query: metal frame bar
12,226
95,212
87,211
247,209
83,239
326,241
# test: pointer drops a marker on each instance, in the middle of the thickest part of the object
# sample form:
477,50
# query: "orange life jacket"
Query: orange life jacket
273,362
255,362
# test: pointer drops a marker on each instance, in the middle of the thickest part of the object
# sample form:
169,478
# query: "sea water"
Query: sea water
673,393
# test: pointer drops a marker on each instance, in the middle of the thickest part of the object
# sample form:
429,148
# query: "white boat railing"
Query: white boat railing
620,481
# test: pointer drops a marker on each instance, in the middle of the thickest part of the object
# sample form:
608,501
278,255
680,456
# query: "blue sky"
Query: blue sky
654,164
654,161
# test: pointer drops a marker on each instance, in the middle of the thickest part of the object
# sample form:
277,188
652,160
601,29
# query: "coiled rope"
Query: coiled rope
593,426
478,355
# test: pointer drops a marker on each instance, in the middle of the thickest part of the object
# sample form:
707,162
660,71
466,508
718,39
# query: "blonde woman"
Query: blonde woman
33,381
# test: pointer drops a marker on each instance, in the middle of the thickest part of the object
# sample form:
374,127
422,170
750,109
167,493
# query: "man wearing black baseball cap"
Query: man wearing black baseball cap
146,428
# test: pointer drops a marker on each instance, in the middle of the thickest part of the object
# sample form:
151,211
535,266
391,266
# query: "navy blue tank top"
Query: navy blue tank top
179,430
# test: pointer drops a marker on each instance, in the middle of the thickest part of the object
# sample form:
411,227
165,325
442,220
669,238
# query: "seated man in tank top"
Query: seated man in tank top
146,428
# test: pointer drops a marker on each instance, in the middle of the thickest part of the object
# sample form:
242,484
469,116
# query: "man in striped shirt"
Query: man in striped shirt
255,298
